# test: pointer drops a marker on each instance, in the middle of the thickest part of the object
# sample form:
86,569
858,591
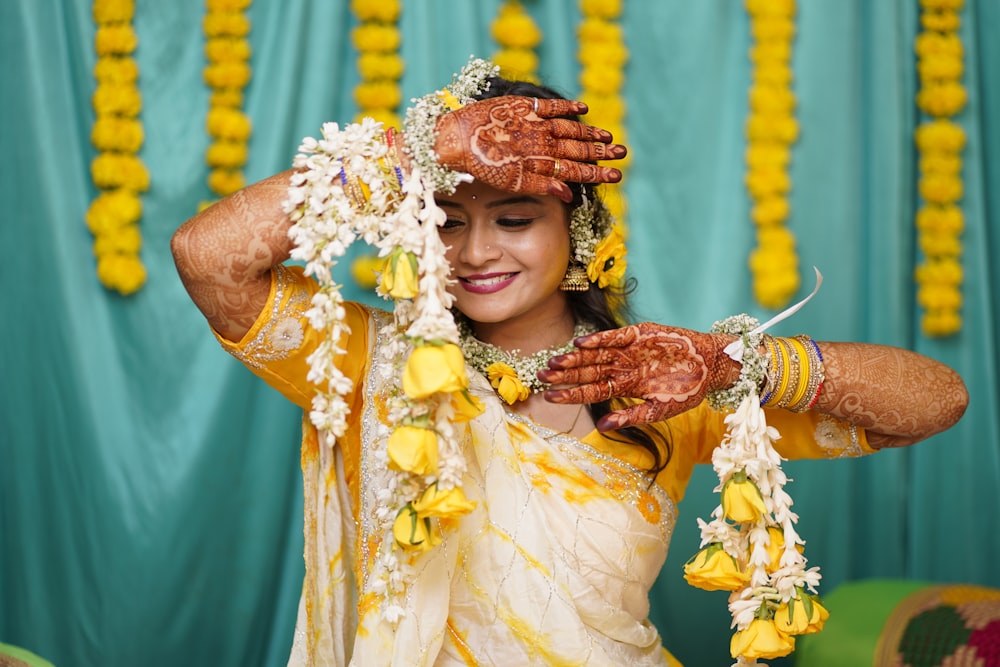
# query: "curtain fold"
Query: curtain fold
150,499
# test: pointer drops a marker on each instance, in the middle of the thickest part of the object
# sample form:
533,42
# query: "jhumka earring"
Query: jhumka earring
576,279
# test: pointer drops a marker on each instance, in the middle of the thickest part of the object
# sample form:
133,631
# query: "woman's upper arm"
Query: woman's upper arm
224,254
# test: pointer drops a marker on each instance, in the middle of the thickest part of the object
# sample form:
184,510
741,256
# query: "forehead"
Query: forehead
480,195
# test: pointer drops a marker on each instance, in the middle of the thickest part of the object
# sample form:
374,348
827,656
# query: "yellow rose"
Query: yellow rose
413,531
413,449
761,639
712,569
802,615
466,406
399,275
608,265
443,504
741,499
449,100
434,368
504,379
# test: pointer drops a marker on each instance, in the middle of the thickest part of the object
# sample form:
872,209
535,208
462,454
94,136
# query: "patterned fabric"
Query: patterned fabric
943,626
554,565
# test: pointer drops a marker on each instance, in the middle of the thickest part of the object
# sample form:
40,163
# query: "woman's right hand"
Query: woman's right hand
520,144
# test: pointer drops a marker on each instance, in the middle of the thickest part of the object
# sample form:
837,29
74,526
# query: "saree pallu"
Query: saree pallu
553,566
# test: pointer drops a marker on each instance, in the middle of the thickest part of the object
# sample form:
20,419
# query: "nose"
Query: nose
480,245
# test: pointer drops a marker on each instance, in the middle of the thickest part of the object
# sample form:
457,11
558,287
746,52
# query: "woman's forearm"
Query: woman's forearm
224,254
899,397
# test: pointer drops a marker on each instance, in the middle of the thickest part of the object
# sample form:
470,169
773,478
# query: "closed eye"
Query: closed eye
514,222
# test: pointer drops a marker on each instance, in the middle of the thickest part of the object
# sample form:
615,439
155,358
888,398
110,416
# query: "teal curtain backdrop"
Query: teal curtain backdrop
150,500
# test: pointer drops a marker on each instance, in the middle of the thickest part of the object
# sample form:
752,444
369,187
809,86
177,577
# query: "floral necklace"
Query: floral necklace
514,377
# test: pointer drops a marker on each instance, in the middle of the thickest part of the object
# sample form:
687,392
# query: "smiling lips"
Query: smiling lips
487,283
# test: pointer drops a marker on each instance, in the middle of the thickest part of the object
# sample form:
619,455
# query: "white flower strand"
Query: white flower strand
326,221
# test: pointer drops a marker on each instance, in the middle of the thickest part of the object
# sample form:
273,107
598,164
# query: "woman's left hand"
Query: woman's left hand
669,368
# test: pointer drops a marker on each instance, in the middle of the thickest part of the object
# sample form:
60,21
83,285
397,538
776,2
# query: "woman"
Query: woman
546,552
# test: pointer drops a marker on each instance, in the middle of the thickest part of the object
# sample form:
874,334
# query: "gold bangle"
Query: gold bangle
773,375
804,372
817,375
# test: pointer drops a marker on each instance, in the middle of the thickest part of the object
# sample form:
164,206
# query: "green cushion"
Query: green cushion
23,655
858,612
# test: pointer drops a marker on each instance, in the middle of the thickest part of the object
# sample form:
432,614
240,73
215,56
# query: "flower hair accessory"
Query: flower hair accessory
597,243
421,120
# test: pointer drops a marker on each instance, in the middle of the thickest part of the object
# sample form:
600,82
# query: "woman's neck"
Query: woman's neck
527,337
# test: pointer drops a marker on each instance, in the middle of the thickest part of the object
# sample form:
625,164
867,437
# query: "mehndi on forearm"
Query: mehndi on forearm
899,397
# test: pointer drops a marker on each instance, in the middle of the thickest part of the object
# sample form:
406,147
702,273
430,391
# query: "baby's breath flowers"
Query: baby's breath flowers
771,129
513,375
226,73
940,142
117,134
421,120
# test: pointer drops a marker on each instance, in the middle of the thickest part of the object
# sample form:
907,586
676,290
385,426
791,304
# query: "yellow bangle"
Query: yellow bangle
803,377
784,374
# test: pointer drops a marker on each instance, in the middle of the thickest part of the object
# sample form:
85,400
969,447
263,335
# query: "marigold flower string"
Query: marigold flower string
771,129
602,54
227,73
117,134
517,35
377,40
939,142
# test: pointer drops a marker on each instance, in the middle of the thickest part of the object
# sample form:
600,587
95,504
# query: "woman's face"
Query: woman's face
508,254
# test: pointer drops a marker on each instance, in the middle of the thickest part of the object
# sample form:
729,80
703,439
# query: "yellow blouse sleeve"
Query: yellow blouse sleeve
278,345
807,435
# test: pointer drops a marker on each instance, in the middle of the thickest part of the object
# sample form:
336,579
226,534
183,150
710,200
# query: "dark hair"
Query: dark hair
606,308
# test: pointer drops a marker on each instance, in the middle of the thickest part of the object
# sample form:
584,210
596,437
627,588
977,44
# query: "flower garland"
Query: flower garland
227,73
603,55
515,377
517,34
940,142
399,217
117,134
750,547
377,39
771,129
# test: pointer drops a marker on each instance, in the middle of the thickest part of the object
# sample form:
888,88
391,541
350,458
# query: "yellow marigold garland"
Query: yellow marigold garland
377,39
227,72
517,34
117,134
771,129
940,142
603,55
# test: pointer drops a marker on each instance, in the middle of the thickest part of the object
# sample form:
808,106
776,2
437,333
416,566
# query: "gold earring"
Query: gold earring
576,279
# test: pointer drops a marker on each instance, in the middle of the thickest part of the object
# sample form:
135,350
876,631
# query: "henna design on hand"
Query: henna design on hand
508,144
669,368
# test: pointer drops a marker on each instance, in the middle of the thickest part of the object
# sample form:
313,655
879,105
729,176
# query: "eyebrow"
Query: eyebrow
515,199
